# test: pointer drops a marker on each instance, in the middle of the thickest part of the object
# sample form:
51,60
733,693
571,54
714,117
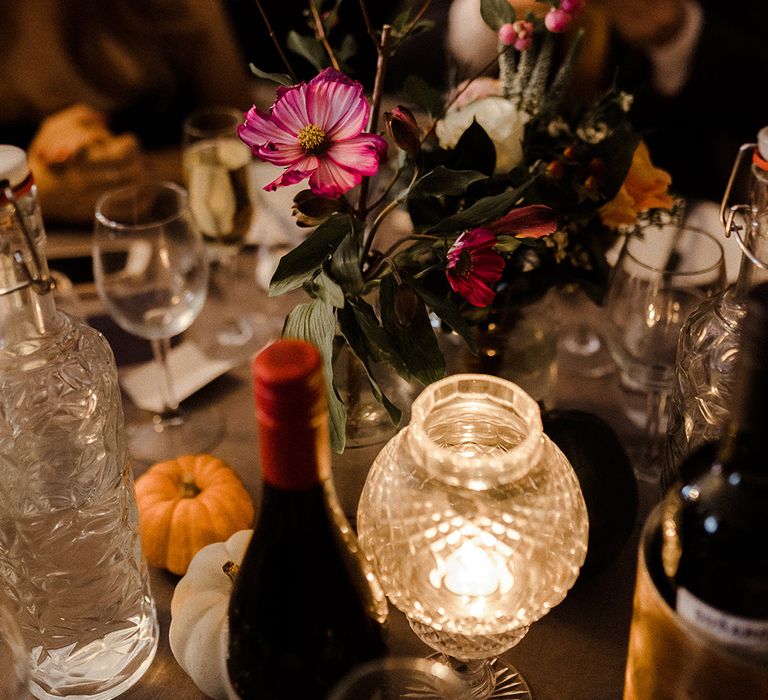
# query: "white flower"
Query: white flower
557,127
593,134
625,101
500,119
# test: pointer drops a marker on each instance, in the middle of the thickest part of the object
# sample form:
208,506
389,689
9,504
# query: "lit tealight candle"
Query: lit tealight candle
470,571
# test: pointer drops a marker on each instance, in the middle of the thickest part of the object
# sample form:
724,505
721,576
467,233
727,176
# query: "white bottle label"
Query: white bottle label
740,632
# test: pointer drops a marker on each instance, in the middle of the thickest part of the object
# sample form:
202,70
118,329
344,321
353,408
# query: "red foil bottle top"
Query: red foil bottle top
291,410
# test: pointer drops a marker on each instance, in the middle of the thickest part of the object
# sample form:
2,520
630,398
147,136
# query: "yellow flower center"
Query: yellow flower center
312,140
464,264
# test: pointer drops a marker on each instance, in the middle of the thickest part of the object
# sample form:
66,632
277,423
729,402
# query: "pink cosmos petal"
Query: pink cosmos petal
290,112
533,221
486,268
331,180
361,153
337,105
289,177
476,293
258,130
281,155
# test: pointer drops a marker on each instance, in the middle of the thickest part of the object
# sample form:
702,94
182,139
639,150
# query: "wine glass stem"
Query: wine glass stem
477,674
656,410
161,348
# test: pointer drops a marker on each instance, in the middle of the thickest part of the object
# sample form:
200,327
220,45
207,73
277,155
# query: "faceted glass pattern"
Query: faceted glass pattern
473,518
70,554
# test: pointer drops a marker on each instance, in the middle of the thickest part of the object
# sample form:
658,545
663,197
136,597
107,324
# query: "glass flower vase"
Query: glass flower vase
475,523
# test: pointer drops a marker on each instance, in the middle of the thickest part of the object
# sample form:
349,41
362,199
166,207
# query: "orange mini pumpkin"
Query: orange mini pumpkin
187,503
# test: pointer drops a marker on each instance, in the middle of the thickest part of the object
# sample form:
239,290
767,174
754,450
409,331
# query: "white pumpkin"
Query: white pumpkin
199,628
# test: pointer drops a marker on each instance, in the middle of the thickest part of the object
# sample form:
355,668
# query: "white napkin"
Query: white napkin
191,370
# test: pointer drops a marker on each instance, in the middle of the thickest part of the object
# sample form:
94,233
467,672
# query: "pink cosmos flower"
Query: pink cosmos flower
473,266
315,130
533,221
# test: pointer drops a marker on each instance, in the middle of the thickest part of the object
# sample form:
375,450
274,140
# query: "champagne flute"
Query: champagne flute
216,167
216,170
663,273
151,274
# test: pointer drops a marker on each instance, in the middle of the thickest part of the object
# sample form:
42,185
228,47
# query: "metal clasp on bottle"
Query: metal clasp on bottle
40,281
728,212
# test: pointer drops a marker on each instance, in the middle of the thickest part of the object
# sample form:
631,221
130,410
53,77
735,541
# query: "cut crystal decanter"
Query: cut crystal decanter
70,556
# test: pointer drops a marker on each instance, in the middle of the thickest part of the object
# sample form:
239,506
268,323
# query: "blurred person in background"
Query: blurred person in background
97,91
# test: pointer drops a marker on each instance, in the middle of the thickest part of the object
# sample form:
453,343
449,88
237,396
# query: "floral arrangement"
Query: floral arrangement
510,187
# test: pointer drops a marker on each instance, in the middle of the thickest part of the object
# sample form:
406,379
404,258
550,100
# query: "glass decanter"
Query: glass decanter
70,556
709,340
475,523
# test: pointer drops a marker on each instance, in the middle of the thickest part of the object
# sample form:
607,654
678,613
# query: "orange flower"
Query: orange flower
645,187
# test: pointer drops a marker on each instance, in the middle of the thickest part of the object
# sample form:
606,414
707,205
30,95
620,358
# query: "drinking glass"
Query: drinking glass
151,274
216,167
216,171
663,273
393,678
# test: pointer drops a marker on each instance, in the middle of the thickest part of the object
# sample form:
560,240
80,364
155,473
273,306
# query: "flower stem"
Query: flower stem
320,29
275,41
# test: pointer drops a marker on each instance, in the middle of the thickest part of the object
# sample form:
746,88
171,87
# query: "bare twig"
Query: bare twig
416,19
275,41
320,29
368,25
383,49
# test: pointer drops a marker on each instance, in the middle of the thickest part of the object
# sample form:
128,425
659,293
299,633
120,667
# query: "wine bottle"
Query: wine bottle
305,606
715,527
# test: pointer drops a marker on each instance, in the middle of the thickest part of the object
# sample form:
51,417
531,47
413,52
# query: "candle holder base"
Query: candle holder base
506,683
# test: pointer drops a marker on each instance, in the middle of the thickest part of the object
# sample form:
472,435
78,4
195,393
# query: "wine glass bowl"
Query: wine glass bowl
457,515
151,275
661,276
216,171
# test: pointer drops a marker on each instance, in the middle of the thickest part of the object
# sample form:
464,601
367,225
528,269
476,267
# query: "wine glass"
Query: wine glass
663,273
217,170
151,274
395,677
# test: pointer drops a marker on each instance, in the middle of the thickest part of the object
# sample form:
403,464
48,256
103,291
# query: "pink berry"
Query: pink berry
557,20
507,34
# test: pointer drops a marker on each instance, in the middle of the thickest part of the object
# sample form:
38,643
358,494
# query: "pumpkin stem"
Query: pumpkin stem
231,569
189,489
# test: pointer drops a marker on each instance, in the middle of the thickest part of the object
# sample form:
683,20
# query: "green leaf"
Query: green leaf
381,346
474,151
417,345
324,287
354,336
279,78
423,95
444,181
482,211
507,244
315,322
345,265
447,311
308,47
299,265
495,13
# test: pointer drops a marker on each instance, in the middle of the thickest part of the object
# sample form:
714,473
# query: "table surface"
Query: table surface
577,651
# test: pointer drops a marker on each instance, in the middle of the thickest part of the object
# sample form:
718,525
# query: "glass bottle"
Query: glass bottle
70,556
715,526
305,607
709,340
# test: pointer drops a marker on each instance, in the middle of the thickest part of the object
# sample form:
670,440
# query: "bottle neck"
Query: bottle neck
295,455
27,310
756,236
